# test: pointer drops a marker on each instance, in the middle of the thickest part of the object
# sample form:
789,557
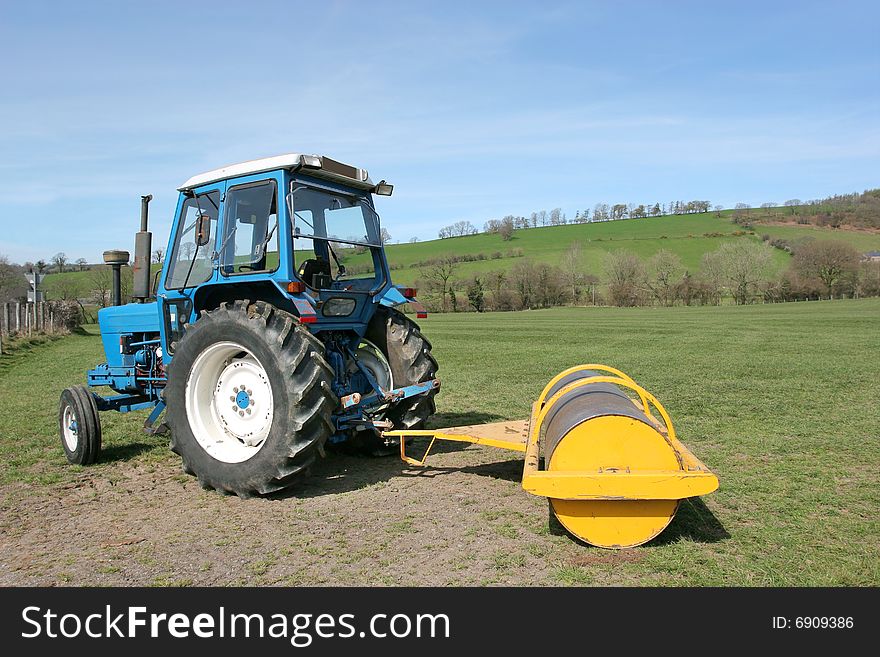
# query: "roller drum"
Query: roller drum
582,404
597,428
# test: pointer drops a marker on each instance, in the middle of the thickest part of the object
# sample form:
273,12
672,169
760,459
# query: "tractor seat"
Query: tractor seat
315,273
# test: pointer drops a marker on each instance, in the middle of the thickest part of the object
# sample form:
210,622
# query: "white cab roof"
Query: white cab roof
287,161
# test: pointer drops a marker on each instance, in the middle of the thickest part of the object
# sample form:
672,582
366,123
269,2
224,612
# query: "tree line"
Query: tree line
556,217
856,209
740,270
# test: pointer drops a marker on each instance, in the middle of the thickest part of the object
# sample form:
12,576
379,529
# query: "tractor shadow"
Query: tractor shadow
128,451
343,473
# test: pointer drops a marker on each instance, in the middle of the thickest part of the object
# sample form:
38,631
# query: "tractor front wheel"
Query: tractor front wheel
249,401
79,426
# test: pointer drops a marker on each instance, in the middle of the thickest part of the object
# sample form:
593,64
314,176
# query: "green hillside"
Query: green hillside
688,236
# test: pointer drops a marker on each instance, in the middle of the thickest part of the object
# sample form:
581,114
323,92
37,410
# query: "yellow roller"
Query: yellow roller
613,472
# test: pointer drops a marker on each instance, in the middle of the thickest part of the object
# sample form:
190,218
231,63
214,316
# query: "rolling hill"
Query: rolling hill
688,236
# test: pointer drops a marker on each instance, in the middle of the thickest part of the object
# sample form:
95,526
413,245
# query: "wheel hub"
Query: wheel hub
240,401
229,402
71,435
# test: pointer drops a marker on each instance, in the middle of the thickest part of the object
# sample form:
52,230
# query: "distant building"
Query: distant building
871,256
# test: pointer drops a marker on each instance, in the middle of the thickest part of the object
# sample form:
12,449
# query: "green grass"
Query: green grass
779,400
689,236
31,381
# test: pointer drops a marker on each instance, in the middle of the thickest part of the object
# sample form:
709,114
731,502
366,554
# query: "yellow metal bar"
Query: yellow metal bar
620,484
580,368
444,434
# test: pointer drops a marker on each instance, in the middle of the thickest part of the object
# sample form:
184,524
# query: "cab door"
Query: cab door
191,259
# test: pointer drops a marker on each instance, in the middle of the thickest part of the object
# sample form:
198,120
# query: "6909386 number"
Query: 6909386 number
823,622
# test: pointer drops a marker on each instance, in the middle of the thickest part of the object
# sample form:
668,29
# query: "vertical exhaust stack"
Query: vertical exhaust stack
143,246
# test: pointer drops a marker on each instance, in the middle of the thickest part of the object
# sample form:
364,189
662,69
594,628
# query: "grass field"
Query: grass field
689,236
779,400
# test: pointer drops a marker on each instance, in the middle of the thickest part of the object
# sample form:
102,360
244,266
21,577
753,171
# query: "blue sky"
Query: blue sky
473,110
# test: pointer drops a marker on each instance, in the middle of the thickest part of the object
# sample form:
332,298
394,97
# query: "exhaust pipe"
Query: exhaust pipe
143,246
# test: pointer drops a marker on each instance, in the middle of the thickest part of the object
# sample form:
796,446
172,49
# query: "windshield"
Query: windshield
336,217
337,243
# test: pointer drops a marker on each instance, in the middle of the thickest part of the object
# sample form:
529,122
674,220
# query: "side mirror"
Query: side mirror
203,230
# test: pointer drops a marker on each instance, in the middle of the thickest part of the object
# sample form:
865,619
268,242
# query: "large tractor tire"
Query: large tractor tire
409,354
248,399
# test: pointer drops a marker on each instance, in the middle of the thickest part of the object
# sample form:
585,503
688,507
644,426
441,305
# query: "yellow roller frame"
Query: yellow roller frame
691,480
606,506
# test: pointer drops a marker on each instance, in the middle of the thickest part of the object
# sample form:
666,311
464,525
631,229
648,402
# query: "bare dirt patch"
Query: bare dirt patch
354,521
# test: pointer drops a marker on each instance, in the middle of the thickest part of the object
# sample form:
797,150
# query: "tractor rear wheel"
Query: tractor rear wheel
249,401
409,354
79,426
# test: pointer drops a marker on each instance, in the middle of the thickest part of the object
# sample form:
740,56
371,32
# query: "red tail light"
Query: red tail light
409,292
296,287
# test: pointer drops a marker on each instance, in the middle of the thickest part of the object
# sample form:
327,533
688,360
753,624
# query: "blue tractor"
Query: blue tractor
255,340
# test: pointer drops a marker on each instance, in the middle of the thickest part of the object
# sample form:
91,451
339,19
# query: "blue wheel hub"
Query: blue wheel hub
242,399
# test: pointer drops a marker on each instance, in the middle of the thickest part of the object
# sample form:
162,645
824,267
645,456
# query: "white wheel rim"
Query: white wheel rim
70,429
372,358
229,402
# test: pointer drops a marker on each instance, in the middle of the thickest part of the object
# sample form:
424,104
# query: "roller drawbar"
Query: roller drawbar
613,472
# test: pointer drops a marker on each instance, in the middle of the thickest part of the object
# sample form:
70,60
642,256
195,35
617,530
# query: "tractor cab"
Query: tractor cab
300,231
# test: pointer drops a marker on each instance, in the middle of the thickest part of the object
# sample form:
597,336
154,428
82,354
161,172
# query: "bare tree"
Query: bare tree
158,256
59,260
625,274
413,240
830,261
40,266
664,274
458,229
523,280
572,261
711,277
102,284
745,264
81,263
793,204
438,276
505,229
384,235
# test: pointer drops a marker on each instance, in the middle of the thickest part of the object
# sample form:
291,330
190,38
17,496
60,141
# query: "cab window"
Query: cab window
250,229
